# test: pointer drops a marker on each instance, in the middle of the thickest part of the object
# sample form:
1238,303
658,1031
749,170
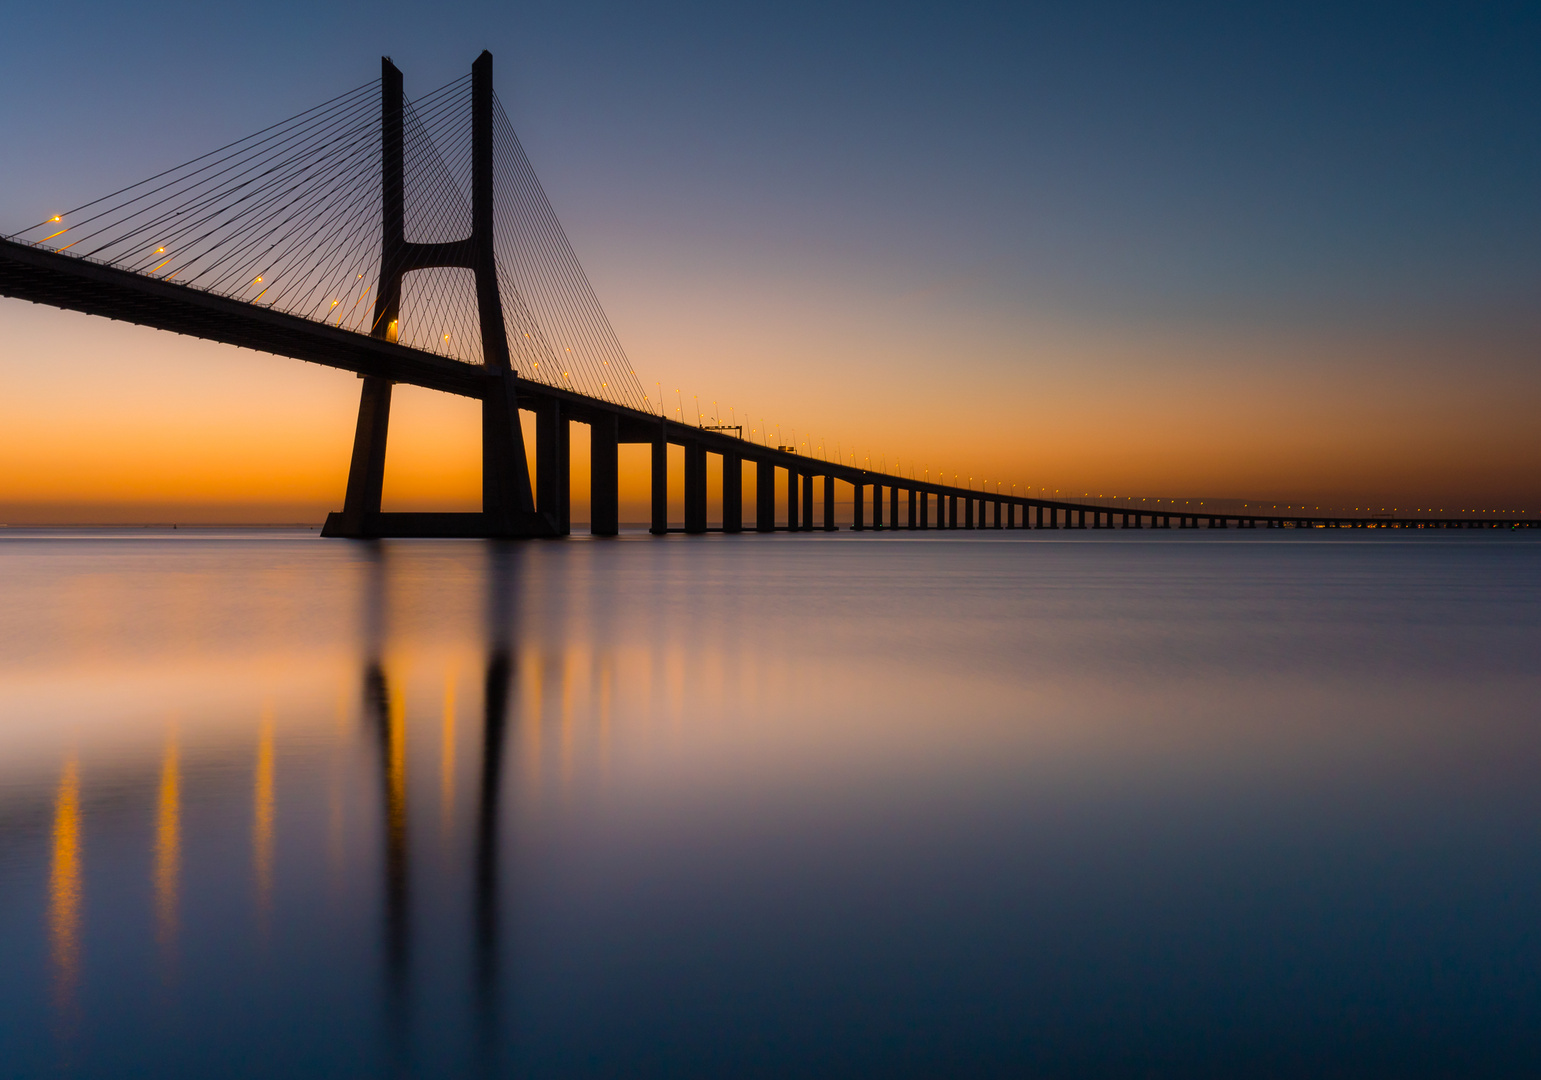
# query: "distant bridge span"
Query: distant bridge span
254,217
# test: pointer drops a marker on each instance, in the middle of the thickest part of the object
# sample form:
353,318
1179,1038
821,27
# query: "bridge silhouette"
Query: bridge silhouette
294,241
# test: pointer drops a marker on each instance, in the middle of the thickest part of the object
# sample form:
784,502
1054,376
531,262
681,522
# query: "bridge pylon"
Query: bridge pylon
508,505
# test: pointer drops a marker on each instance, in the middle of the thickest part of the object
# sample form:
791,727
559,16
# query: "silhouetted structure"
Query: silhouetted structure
273,243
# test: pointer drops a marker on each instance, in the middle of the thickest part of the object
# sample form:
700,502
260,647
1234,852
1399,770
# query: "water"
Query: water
1123,804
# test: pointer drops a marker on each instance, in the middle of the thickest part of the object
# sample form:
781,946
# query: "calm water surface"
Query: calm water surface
1115,804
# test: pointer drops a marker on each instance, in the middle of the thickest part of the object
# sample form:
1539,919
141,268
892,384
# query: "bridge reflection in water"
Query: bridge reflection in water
385,715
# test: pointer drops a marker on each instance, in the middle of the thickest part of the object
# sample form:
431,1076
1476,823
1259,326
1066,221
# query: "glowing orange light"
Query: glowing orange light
258,281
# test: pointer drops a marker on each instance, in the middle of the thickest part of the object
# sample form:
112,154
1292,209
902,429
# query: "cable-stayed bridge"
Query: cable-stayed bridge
409,241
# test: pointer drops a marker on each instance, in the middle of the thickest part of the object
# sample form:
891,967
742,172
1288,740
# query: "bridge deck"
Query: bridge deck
48,277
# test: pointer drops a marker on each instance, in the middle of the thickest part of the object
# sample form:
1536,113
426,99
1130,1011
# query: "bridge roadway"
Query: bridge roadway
895,502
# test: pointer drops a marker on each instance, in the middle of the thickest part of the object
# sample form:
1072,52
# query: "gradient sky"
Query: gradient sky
1183,250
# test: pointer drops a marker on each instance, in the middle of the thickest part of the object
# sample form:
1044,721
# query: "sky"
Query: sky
1287,254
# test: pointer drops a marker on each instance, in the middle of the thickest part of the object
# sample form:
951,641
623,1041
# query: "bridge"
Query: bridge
294,241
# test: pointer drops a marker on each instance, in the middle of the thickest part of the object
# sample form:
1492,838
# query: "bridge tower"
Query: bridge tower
508,507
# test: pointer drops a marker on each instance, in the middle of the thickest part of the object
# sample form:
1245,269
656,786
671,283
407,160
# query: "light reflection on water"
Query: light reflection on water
1140,805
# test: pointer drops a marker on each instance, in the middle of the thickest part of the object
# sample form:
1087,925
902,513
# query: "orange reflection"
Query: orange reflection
262,812
570,660
531,719
447,754
64,899
168,843
396,769
606,672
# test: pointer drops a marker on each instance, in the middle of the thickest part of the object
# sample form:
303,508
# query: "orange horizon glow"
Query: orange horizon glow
138,426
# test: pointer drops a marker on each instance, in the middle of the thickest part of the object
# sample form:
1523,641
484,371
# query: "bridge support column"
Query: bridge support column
829,504
604,475
695,488
859,491
732,493
807,502
553,475
924,498
792,500
508,504
764,497
912,522
366,472
660,484
877,506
